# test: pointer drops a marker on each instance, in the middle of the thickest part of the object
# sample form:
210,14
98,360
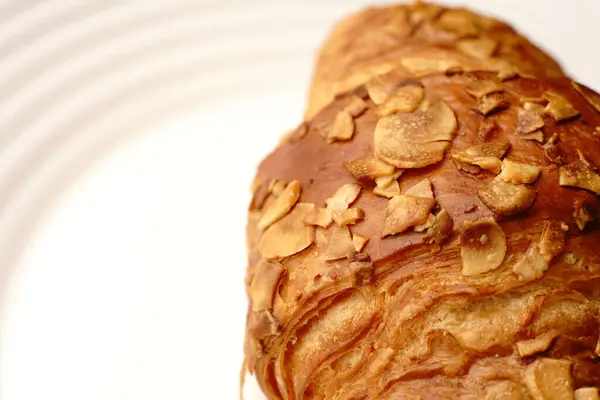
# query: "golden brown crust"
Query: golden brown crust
420,38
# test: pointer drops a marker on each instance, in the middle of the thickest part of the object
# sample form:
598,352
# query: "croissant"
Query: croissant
429,234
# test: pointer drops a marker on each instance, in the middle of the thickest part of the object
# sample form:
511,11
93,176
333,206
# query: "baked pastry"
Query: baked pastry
431,237
419,38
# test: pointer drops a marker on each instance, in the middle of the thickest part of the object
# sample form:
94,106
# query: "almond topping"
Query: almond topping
281,206
529,121
549,379
264,284
369,168
405,99
483,247
482,48
552,240
536,345
356,107
348,216
340,244
342,128
421,189
581,214
485,156
418,139
386,181
496,149
591,97
441,229
516,172
532,266
490,103
558,107
577,174
404,212
380,86
289,235
343,197
505,198
537,136
428,224
483,88
587,393
388,191
535,105
359,241
322,217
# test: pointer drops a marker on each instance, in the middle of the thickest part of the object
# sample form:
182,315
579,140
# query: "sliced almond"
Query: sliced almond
538,344
483,247
482,48
348,216
385,181
459,22
428,224
497,149
379,88
591,97
404,212
423,64
491,103
289,235
558,107
441,229
492,164
343,197
359,241
466,167
356,107
421,189
532,266
340,244
577,174
516,172
414,140
505,198
388,191
322,217
581,214
342,128
405,99
552,240
369,168
587,393
264,284
535,105
538,136
478,89
281,206
529,121
549,379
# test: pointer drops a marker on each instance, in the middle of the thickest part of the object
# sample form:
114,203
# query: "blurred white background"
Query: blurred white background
129,134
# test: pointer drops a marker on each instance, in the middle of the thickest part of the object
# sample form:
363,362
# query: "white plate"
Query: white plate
129,135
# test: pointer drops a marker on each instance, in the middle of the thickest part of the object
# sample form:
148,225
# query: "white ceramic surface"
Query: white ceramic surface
129,135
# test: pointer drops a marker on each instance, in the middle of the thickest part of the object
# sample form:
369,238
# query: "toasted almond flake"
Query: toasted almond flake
479,89
529,121
482,48
404,212
281,206
404,99
587,393
459,22
532,266
421,189
343,197
538,344
420,65
591,97
359,241
322,217
581,214
388,191
385,181
577,174
552,240
342,128
418,139
356,107
483,246
369,168
497,149
491,103
264,284
428,224
340,244
492,164
558,107
348,216
549,379
379,88
441,228
466,167
289,235
537,136
424,12
516,172
505,198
